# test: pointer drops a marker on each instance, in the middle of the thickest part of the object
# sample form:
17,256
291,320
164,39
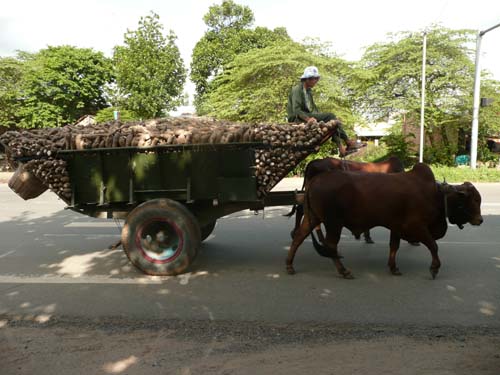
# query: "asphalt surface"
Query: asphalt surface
55,265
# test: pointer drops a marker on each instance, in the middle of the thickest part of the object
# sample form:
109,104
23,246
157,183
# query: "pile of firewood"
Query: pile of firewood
284,146
289,145
179,131
53,173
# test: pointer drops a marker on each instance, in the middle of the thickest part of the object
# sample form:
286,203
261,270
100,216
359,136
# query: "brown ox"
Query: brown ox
410,204
315,167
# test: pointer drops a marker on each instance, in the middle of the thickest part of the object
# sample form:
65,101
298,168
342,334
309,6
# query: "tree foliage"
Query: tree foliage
254,87
489,118
11,74
394,72
229,34
399,144
393,84
61,84
149,69
228,15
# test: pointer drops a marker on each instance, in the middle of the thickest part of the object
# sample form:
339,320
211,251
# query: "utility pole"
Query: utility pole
475,106
422,104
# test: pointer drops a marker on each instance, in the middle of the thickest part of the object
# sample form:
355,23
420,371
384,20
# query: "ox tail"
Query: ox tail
320,248
294,208
306,175
292,212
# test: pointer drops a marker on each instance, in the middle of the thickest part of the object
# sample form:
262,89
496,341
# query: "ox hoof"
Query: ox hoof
434,272
347,275
396,272
358,237
290,270
369,240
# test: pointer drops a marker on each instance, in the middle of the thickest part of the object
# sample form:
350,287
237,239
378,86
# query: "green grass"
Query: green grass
461,174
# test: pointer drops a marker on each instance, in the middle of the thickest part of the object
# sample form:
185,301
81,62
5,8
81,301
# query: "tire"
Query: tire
161,237
207,230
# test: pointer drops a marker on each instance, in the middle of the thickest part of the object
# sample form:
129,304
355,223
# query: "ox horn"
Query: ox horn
446,188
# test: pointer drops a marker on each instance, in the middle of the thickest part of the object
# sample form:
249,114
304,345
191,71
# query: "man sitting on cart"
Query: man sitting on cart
301,108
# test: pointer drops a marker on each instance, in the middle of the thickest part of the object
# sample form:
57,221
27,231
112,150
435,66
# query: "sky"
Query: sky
351,25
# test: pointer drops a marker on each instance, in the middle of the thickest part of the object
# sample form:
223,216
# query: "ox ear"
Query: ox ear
465,189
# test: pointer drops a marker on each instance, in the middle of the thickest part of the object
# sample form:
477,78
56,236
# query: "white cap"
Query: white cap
310,72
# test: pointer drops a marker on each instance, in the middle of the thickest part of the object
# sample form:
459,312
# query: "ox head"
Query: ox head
463,204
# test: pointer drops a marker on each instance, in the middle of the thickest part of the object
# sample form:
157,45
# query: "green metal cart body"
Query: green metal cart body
170,196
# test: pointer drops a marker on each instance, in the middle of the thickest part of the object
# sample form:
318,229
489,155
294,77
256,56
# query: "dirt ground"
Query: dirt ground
118,346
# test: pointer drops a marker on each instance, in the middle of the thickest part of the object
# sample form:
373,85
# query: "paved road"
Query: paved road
54,262
70,305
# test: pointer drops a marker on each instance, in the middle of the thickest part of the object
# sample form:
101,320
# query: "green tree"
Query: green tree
393,79
11,74
61,84
229,34
399,144
149,69
228,15
255,86
489,117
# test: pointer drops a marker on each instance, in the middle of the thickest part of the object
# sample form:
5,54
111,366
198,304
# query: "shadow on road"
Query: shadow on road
73,245
242,255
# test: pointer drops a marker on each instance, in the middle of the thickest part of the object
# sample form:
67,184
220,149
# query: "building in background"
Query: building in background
373,131
86,120
184,111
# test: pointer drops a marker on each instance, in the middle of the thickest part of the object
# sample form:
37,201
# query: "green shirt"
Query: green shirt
300,103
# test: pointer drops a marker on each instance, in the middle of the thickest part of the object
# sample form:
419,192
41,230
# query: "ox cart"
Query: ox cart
169,196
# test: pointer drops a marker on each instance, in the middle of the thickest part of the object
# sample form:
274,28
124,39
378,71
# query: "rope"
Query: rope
445,206
345,165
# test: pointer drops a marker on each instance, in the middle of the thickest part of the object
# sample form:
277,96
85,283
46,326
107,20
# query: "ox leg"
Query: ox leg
298,218
301,233
431,244
332,239
394,246
368,237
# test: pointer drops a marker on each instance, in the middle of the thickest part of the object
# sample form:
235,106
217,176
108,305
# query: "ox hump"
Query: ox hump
424,172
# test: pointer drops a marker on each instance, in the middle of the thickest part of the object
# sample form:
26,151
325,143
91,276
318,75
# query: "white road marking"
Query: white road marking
98,279
467,243
91,224
80,235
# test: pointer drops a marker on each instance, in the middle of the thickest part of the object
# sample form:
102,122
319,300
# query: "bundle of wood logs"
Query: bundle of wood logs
53,173
284,146
289,145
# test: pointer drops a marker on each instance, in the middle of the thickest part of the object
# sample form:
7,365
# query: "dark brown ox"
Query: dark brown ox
410,204
315,167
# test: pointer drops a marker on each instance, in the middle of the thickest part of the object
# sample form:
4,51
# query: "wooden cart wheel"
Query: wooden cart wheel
161,237
207,230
